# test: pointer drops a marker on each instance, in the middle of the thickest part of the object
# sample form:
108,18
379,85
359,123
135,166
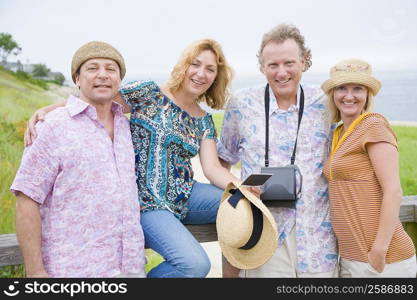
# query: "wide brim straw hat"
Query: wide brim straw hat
236,225
96,49
352,71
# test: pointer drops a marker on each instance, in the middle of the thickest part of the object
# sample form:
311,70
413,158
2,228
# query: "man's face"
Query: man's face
98,80
283,67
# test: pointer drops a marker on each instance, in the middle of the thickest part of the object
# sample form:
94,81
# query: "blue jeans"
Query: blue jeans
164,233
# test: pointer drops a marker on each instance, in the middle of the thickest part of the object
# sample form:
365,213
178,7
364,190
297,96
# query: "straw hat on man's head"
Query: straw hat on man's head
246,229
96,49
352,71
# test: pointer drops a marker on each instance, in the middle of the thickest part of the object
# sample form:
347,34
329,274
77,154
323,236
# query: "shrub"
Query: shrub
26,77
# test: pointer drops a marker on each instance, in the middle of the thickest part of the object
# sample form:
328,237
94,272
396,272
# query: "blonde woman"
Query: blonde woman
169,128
364,182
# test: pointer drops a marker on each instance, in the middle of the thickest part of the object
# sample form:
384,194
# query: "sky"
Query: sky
152,34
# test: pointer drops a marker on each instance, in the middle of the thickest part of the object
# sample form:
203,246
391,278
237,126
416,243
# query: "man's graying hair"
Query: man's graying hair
284,32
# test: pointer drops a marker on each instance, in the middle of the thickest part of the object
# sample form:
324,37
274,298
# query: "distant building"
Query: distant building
51,76
12,66
28,68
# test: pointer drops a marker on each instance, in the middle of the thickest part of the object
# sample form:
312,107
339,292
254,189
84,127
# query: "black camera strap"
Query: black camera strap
300,116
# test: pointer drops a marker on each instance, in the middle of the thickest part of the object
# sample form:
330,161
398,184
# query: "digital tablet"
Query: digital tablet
256,179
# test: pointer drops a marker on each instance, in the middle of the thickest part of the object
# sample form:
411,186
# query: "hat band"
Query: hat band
258,220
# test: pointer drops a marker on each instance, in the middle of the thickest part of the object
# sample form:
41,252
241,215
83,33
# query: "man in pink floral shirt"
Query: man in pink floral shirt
77,212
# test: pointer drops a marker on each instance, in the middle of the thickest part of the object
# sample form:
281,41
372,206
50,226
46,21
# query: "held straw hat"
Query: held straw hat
352,71
96,49
246,229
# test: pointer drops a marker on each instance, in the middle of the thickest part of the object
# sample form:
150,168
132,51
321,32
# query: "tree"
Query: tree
40,70
59,78
7,46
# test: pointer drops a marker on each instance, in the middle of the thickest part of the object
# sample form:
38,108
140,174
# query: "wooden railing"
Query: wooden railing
10,252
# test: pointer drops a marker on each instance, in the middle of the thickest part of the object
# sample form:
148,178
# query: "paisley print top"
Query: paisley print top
165,138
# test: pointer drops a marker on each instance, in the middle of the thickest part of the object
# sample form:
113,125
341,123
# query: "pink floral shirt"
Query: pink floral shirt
85,185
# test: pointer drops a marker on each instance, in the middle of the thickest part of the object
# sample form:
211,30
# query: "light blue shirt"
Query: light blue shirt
243,139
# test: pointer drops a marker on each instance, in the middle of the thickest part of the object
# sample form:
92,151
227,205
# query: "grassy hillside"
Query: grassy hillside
18,100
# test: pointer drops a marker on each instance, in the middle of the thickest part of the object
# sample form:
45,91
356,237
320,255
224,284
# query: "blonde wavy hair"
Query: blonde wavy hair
280,34
219,92
334,112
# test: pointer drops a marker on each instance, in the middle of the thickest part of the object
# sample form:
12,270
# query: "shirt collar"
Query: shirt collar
274,104
77,106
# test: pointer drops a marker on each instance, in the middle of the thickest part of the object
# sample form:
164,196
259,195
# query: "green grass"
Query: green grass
218,119
407,144
18,100
26,78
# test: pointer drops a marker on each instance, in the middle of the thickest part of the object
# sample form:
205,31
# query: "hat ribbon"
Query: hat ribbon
256,215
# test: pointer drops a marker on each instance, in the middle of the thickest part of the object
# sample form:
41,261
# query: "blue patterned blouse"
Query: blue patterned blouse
165,138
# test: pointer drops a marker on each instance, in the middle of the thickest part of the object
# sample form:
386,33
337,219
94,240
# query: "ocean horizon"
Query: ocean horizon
397,99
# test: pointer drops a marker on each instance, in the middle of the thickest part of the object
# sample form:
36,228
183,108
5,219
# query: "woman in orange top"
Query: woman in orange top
364,182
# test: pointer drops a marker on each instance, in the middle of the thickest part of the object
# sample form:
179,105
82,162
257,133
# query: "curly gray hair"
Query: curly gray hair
281,33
